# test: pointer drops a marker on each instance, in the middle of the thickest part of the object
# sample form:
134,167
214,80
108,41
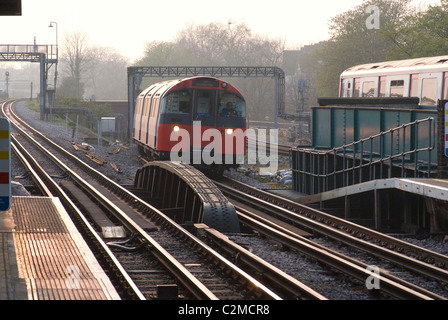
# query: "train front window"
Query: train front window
231,105
205,103
177,102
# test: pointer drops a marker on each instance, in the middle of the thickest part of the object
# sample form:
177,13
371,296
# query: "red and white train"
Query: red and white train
189,115
425,78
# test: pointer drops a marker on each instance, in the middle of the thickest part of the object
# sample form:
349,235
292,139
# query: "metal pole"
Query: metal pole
43,85
57,57
77,126
99,134
276,102
131,100
7,85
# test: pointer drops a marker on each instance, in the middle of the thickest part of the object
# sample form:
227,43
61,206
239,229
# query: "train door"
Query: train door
140,114
382,86
369,87
204,106
413,90
397,86
356,87
430,88
203,117
138,118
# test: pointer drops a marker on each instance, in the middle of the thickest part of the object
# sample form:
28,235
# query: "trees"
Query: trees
425,34
76,56
222,44
162,53
353,41
403,32
91,70
106,76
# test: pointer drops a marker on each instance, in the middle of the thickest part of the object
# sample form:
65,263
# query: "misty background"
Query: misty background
87,71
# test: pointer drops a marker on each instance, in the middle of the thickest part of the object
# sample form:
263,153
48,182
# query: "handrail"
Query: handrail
396,147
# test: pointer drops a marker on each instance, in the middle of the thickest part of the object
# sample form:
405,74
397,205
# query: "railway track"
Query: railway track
286,286
267,146
183,255
286,213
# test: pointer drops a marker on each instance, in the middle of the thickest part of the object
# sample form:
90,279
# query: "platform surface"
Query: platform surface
44,257
432,188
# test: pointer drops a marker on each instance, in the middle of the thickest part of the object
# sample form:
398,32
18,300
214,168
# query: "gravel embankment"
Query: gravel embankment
126,159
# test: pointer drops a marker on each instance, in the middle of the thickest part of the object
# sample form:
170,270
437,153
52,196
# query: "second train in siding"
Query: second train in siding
425,78
199,108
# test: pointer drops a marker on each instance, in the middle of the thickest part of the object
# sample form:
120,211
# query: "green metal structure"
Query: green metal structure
358,140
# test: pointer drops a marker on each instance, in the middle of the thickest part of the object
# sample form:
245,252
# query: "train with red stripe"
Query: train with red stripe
425,78
197,120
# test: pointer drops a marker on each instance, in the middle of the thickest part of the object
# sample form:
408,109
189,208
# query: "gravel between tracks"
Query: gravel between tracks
126,159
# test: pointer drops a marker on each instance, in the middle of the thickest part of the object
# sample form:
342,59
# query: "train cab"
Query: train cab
202,112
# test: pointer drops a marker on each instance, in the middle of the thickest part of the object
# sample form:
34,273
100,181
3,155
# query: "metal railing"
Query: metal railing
399,152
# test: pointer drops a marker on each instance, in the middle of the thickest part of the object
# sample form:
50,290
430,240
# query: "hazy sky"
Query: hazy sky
128,24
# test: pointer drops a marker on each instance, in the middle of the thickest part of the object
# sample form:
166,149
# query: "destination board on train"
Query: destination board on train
5,164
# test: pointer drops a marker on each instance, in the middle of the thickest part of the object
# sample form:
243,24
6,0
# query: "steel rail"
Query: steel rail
349,227
30,164
173,265
338,235
395,286
256,144
191,282
93,235
294,287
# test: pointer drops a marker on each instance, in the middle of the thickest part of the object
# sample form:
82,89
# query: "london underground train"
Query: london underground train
197,120
425,78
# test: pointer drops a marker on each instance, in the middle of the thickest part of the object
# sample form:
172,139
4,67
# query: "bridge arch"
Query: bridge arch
186,195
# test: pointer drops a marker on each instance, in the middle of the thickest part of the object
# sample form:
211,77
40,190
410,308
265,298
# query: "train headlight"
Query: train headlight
176,128
229,131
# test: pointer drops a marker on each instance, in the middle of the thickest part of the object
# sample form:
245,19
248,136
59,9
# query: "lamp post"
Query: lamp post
52,91
57,49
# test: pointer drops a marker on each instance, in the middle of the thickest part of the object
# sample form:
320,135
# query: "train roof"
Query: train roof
426,63
172,83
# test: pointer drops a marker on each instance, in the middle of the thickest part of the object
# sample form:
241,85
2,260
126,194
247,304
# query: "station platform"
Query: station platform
431,188
44,257
394,205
